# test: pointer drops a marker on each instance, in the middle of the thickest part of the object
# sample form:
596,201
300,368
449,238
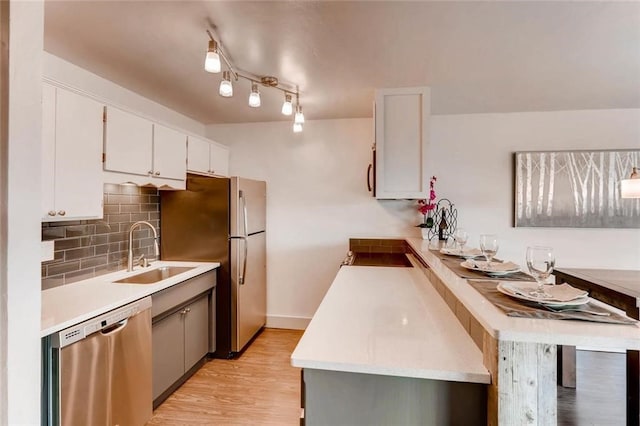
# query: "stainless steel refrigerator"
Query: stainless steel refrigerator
222,220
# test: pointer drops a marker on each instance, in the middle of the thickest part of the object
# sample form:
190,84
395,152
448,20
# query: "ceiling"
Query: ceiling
477,56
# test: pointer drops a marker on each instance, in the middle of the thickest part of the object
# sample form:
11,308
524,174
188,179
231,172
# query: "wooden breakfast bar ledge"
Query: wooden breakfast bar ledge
355,345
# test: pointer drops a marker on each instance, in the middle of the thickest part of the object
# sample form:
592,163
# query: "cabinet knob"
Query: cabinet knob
188,310
157,173
62,212
183,312
51,213
150,172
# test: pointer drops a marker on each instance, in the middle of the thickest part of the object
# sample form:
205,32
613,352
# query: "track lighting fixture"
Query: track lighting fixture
212,60
226,88
287,106
213,63
254,97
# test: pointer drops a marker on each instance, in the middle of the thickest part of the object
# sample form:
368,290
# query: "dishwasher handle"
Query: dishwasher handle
114,328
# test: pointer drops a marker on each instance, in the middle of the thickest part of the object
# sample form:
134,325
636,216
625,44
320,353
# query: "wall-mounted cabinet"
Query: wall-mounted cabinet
135,145
208,158
401,143
71,155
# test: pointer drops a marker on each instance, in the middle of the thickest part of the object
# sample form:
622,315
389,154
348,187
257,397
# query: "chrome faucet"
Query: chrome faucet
155,242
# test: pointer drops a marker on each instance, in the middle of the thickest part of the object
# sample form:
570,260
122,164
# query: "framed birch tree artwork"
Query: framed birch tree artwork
575,189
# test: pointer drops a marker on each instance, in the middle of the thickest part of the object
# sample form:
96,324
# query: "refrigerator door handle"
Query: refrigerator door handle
244,266
243,237
246,235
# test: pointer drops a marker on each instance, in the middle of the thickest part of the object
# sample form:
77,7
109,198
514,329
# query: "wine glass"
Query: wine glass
461,236
489,247
540,261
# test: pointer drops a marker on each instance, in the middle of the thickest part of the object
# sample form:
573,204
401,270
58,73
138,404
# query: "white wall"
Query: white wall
21,244
318,198
67,74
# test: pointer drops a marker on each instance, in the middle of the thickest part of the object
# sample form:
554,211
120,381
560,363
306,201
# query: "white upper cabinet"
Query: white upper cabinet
219,159
198,155
402,142
137,146
71,156
128,143
169,153
207,158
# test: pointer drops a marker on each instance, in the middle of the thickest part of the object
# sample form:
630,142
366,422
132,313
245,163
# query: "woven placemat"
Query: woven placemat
522,309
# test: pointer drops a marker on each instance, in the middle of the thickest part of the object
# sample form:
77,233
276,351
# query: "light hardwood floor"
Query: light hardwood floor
259,388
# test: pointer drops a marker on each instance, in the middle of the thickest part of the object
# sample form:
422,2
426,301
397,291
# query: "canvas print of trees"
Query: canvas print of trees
575,189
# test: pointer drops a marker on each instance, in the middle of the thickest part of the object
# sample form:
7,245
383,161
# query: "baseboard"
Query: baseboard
291,323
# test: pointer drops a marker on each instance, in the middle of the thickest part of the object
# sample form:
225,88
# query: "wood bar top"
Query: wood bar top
623,281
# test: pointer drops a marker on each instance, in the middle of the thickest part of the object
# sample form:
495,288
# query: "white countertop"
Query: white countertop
388,321
500,326
71,304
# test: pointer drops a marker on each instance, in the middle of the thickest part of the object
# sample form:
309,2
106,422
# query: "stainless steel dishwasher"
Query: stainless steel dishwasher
100,370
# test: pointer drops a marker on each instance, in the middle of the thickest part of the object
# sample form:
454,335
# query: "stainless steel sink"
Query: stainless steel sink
155,275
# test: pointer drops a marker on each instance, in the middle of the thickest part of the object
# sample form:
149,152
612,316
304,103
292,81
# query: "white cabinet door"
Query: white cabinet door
48,152
219,159
78,155
128,143
402,142
198,155
71,156
169,153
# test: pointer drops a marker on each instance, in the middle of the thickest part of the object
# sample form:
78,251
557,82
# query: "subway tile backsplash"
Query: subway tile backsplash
88,248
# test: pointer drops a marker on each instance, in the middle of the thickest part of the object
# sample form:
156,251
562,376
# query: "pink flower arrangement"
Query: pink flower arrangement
426,205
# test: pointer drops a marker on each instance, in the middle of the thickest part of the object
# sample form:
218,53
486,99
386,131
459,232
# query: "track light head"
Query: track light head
254,97
299,117
287,106
226,88
212,60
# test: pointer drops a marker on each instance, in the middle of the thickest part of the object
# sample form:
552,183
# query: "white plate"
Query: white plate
468,253
522,296
481,266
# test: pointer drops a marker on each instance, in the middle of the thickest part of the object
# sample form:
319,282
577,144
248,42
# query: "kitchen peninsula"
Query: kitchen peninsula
459,337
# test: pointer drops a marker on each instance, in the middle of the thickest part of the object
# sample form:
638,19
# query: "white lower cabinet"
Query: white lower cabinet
71,155
180,340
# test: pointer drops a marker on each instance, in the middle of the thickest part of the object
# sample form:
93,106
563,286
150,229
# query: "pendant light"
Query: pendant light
212,60
254,97
226,88
287,106
297,127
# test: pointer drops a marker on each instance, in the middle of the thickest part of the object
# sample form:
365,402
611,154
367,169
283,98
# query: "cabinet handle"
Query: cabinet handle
62,212
51,213
157,173
369,176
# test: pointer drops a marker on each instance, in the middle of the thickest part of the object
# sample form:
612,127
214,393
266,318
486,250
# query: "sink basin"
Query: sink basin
155,275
